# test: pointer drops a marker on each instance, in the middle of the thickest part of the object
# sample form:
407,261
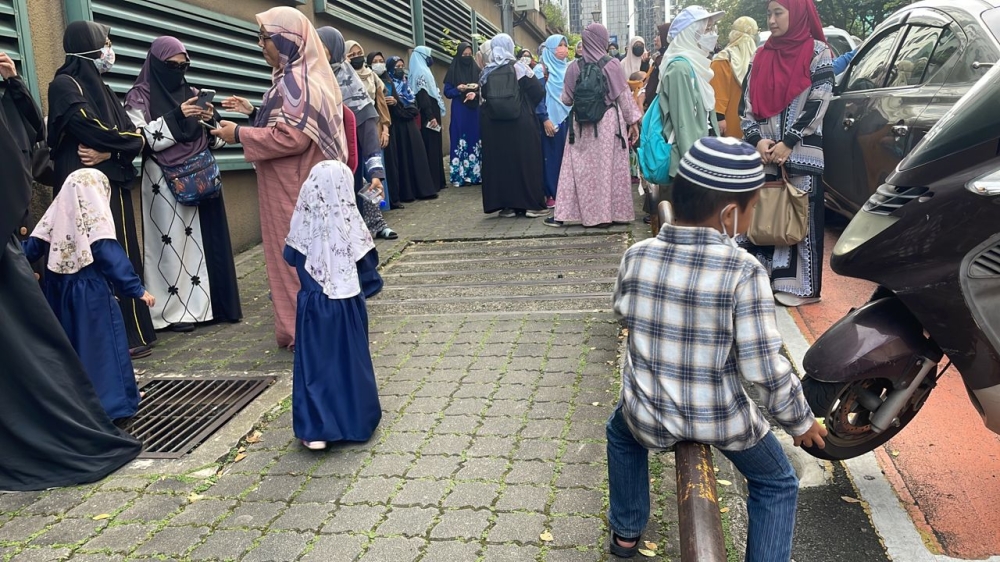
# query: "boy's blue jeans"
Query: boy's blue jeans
772,483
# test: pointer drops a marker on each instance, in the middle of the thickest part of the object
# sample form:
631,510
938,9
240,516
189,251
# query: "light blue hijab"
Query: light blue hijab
558,111
421,77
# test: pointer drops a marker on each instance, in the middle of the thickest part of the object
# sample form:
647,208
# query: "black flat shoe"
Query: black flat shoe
182,327
399,206
624,551
140,352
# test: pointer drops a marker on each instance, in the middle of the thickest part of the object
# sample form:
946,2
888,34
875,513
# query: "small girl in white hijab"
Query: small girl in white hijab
334,393
77,233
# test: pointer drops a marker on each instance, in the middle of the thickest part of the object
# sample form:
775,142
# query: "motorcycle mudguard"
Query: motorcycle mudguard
882,339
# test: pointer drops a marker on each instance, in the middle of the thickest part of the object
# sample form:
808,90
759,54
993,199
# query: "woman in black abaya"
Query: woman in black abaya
88,127
53,430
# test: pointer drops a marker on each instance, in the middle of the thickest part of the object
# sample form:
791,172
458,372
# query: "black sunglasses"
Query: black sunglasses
178,65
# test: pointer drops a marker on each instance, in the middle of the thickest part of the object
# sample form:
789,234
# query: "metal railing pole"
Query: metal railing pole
701,534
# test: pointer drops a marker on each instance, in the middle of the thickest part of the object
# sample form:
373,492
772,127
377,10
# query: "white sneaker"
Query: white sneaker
508,213
792,301
538,214
314,445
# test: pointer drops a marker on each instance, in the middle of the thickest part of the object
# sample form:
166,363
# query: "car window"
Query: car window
839,44
910,66
869,70
948,48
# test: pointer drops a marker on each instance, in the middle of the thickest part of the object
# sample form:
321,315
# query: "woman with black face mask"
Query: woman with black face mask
369,150
461,85
88,127
407,168
189,255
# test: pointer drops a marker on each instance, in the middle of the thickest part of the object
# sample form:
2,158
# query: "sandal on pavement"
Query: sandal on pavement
622,551
317,446
387,233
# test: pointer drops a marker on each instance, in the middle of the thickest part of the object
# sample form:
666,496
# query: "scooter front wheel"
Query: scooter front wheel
848,421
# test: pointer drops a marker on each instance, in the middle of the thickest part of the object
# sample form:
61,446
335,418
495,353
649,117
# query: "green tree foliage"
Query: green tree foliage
554,15
857,17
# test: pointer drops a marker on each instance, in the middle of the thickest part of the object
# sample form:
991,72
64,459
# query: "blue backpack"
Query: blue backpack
654,150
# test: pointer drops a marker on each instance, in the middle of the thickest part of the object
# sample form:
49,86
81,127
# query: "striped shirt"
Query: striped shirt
699,314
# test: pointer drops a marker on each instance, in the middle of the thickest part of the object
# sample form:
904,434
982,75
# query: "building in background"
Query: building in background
623,18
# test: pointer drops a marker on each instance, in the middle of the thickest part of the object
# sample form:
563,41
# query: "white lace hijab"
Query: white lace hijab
329,231
79,216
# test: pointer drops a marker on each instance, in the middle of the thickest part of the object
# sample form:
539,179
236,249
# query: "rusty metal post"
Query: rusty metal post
698,505
664,215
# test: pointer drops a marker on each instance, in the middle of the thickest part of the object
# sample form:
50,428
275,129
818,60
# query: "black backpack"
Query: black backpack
502,94
590,97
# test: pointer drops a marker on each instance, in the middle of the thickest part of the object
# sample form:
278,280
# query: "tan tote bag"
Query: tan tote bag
782,214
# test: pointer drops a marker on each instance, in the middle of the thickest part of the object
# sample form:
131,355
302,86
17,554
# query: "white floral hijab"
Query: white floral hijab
79,216
329,231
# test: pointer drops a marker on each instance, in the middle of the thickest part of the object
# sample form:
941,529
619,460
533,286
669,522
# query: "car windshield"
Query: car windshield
975,119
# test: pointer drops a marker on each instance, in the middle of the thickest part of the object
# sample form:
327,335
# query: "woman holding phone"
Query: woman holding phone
189,256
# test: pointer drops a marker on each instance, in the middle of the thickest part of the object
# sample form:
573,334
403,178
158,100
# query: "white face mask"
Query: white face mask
103,62
708,41
379,68
526,61
731,240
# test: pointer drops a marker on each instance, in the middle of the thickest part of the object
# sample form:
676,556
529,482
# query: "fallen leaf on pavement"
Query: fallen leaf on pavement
254,437
849,499
895,453
595,403
724,510
650,545
546,537
102,517
725,483
647,553
195,497
240,457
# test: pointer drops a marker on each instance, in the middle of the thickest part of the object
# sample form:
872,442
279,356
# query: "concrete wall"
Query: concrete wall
47,20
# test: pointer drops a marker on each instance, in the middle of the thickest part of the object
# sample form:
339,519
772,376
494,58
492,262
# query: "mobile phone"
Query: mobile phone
205,97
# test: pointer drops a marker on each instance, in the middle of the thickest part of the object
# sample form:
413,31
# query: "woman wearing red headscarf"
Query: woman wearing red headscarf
785,97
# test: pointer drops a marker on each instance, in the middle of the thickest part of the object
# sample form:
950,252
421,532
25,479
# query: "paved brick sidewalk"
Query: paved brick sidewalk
492,433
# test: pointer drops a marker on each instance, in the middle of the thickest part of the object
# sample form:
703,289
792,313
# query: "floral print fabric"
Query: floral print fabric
466,163
79,216
329,231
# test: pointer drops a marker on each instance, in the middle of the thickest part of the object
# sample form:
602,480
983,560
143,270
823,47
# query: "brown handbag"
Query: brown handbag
782,214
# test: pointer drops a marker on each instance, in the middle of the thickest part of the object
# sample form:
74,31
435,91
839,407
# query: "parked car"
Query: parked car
840,41
906,75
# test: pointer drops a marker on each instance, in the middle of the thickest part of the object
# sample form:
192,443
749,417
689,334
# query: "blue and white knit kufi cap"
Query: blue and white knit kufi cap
723,164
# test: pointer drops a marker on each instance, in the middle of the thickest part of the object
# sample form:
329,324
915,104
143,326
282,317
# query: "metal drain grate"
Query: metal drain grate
176,415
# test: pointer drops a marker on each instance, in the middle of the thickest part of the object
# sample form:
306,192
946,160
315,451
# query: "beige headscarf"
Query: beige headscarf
368,77
485,54
304,94
742,46
632,63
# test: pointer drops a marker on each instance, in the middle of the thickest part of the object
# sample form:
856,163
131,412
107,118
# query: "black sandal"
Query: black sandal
624,551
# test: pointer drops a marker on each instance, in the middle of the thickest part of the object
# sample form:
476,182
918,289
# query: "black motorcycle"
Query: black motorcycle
930,238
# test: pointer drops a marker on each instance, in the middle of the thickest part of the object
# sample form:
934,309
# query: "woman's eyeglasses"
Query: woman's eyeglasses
178,65
262,37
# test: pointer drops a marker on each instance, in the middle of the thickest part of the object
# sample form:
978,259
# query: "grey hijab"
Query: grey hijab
353,89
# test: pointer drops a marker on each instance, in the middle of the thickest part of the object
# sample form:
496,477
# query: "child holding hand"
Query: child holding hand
84,260
700,315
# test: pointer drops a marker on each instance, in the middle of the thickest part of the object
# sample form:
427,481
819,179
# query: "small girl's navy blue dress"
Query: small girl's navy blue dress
86,307
334,393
